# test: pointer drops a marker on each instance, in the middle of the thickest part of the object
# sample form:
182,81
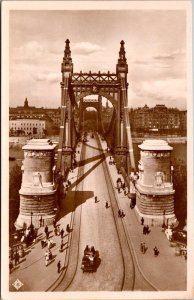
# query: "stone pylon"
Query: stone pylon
154,188
38,192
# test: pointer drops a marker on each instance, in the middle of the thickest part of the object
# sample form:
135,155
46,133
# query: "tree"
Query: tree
15,180
180,186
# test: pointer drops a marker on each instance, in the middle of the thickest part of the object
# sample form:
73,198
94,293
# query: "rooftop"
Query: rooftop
155,145
39,144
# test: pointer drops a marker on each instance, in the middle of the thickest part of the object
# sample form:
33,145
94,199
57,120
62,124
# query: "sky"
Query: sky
155,45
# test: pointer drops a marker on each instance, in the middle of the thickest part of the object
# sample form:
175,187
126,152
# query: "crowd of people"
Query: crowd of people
45,242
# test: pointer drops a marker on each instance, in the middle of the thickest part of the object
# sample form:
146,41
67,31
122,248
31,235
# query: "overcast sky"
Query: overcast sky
155,44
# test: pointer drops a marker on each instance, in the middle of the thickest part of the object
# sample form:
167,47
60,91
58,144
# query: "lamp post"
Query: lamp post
31,218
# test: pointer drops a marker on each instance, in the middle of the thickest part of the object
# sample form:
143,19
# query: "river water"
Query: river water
179,152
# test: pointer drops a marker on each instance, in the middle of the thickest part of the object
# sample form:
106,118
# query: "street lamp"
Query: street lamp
31,218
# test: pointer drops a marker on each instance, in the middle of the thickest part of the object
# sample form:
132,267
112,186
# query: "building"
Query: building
19,119
158,119
27,126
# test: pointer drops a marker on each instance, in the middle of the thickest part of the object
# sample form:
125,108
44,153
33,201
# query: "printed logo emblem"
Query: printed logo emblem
17,284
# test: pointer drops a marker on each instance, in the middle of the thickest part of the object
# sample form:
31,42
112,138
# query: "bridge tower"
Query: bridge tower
74,89
121,150
65,135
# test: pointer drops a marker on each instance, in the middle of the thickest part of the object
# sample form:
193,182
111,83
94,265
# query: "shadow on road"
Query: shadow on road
89,146
89,160
73,200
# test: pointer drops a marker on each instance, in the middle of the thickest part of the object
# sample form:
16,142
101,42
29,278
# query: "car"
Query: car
180,236
89,260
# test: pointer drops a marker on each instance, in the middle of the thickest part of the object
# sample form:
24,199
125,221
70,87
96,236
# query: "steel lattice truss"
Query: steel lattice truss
94,78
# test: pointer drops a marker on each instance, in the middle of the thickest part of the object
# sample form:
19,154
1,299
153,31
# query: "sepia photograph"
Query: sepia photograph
97,150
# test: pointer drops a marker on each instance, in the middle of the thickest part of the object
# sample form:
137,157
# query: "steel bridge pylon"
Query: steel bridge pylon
76,86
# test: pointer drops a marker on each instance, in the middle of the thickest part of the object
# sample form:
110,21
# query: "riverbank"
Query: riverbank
21,140
170,140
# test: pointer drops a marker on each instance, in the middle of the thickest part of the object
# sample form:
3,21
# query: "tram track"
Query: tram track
65,279
132,274
139,279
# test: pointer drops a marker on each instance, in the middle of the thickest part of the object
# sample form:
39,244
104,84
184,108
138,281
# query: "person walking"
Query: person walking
46,230
59,266
40,221
95,198
141,247
156,251
10,266
46,259
54,222
55,231
17,258
61,246
122,214
144,248
119,213
144,229
62,233
142,221
68,228
106,204
49,244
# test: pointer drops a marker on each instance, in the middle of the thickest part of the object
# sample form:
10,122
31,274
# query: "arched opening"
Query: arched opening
95,113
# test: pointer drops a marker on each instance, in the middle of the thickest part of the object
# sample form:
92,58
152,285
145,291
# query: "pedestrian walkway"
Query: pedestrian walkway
162,270
31,270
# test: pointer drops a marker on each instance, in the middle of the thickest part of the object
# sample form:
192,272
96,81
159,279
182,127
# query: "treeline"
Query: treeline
15,179
180,186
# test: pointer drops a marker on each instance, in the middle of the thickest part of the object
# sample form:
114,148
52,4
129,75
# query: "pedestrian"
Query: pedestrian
119,190
43,243
144,229
46,259
40,221
119,213
17,258
62,233
142,221
46,229
47,235
49,244
106,204
141,247
156,251
110,157
58,230
59,266
122,214
95,198
55,230
68,228
123,186
61,247
118,179
10,266
147,229
54,222
144,248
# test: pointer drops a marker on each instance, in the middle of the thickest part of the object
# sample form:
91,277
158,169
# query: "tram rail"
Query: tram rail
132,273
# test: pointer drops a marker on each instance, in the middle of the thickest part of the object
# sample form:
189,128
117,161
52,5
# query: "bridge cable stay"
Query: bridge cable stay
127,124
62,126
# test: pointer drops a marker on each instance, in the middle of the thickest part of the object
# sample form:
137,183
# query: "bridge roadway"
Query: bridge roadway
98,226
115,239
